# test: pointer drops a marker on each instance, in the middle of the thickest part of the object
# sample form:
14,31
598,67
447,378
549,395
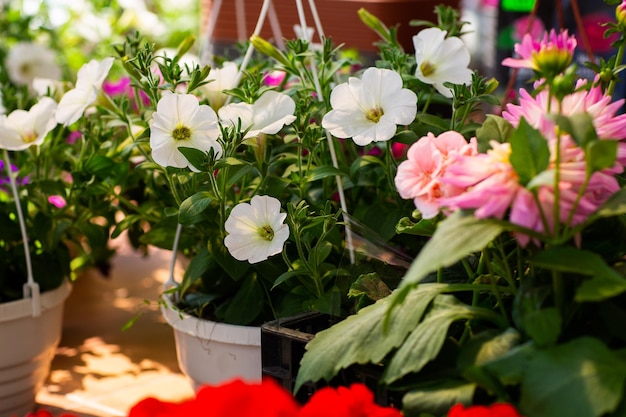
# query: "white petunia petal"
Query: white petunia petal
369,109
245,223
182,111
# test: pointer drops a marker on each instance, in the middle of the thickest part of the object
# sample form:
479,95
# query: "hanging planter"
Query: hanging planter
209,352
25,359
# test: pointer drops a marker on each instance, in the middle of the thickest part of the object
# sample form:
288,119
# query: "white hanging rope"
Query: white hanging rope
275,25
240,20
246,59
329,138
171,281
316,19
207,50
31,288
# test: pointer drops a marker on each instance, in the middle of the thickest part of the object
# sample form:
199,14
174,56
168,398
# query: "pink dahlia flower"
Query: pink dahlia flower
419,177
609,124
549,56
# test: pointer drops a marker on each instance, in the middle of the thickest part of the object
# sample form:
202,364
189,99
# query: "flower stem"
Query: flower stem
618,60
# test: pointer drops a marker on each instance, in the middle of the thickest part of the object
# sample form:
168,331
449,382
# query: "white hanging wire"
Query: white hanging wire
31,288
246,59
275,25
171,281
240,21
329,138
206,54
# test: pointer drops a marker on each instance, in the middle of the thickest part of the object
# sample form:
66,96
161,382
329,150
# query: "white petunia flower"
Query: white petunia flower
268,114
88,84
22,129
220,79
369,109
440,59
256,230
180,121
26,60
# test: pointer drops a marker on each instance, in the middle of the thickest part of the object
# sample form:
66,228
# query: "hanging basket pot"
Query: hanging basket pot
27,348
210,352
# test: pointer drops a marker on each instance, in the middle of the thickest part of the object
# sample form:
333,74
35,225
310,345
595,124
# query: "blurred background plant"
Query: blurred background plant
65,180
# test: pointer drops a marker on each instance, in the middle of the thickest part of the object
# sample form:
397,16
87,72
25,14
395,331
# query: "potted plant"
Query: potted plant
55,208
241,174
518,294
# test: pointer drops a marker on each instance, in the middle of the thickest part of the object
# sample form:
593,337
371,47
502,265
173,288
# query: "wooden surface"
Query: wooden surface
101,370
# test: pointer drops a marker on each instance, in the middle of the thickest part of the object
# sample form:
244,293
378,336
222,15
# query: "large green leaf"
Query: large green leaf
509,367
530,154
363,338
494,128
456,237
437,398
425,342
247,303
543,326
191,209
580,378
605,281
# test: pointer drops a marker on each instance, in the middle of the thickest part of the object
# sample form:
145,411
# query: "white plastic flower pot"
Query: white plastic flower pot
27,348
210,353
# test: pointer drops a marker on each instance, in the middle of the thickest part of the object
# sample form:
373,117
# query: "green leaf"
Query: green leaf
424,227
579,127
198,266
247,303
543,326
323,172
425,342
530,154
600,288
191,209
99,164
509,368
434,121
196,157
438,397
580,378
287,275
363,338
369,285
456,237
600,155
364,161
487,346
494,128
605,281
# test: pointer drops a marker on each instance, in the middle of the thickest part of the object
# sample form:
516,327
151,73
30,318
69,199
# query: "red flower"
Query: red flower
238,398
355,401
494,410
268,399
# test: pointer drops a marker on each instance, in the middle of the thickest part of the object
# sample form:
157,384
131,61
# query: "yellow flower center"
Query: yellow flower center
266,232
29,137
427,69
374,115
181,132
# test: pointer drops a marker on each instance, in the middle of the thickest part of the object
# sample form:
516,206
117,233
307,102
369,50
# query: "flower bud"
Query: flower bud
620,14
375,24
185,45
268,49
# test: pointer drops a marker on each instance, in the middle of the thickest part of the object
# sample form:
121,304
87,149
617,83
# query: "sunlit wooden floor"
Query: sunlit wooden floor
102,370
